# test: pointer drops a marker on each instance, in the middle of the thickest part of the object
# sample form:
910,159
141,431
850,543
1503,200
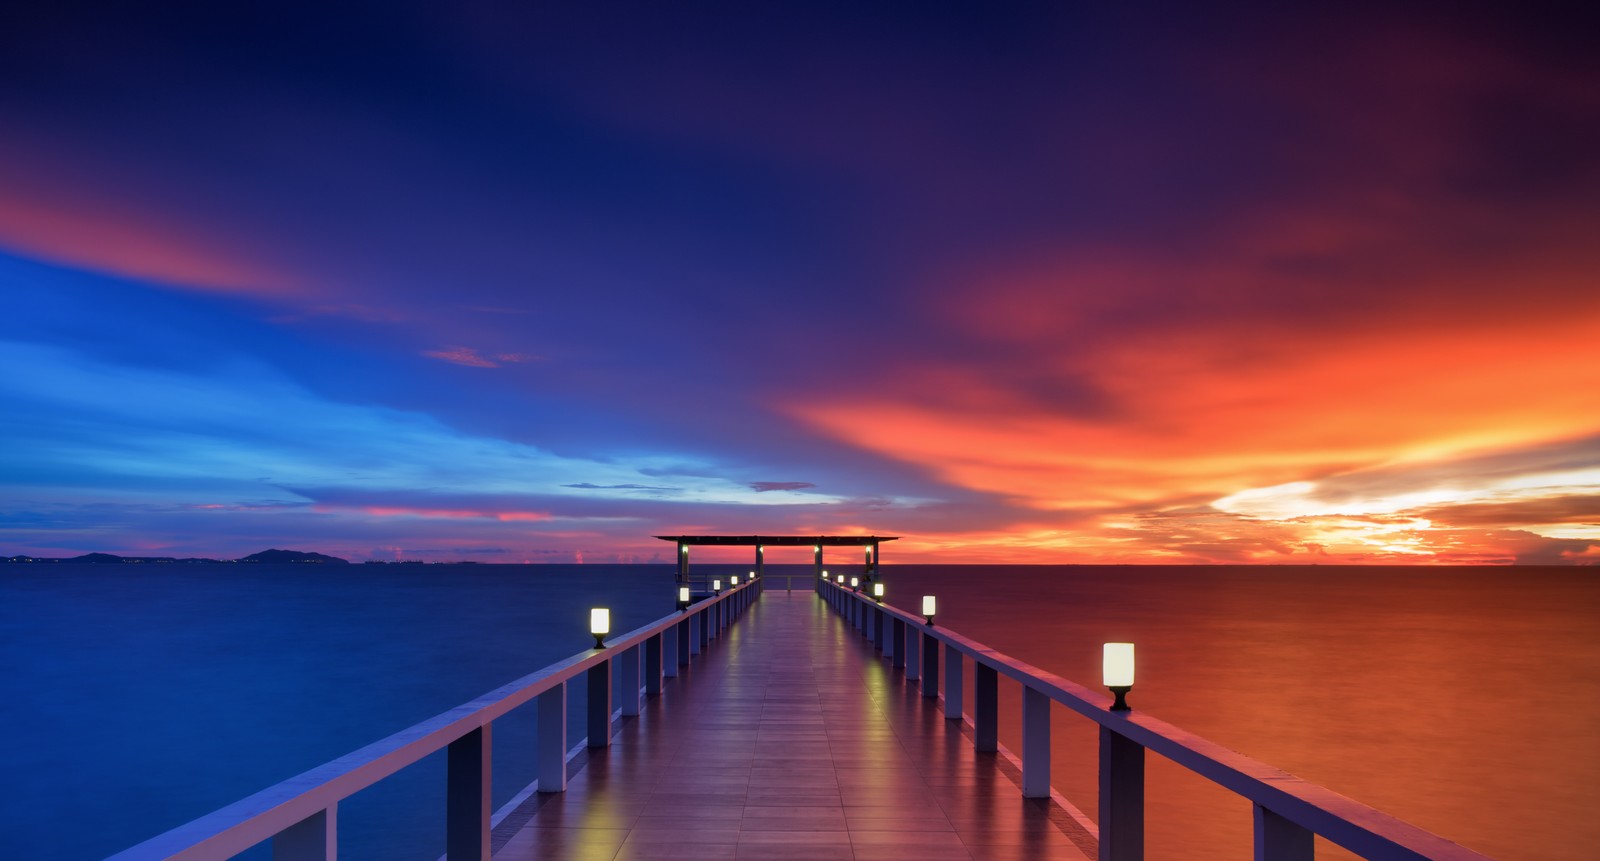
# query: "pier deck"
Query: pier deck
791,738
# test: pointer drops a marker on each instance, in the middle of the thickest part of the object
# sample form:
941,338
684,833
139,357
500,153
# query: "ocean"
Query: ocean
137,697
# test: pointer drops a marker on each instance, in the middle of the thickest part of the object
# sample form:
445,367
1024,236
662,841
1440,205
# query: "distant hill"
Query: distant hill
113,559
108,558
293,556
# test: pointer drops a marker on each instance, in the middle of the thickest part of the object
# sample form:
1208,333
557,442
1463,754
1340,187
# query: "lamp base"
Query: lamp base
929,623
1121,703
599,641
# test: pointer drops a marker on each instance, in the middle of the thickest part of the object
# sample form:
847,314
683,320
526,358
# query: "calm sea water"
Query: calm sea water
136,698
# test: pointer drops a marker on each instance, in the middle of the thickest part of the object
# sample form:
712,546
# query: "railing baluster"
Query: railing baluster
1035,744
1278,839
467,797
953,689
1121,797
930,666
314,838
553,739
600,705
913,650
669,652
684,649
652,665
628,675
892,648
985,708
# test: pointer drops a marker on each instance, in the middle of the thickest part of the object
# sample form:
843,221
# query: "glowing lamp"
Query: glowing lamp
877,592
716,586
855,583
683,597
929,605
1117,672
734,580
600,625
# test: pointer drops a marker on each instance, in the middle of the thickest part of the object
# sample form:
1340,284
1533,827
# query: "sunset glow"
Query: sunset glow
1037,285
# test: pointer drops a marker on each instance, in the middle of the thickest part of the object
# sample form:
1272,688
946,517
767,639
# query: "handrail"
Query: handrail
282,807
1362,829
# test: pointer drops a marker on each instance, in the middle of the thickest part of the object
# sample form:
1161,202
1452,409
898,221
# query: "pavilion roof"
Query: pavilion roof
781,540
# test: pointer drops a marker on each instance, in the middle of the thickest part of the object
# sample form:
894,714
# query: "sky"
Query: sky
1018,283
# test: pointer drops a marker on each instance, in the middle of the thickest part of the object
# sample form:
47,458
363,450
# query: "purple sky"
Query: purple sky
1030,282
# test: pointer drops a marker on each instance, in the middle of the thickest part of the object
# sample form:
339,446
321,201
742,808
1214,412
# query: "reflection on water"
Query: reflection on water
1463,700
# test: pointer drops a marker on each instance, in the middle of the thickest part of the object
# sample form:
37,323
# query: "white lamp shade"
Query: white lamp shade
600,621
734,579
855,581
716,585
683,594
1117,668
928,605
877,590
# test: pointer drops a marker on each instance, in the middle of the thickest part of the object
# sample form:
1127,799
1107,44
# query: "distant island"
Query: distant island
268,556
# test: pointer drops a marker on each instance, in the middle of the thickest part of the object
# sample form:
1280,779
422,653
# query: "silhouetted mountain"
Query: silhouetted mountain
293,556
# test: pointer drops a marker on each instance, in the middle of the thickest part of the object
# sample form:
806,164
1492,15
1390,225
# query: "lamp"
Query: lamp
716,586
855,583
928,606
734,580
1117,672
877,592
683,597
600,625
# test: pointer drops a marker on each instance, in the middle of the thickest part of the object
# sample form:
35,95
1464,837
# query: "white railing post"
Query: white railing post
600,704
315,838
467,797
1121,797
553,739
1035,744
1278,839
953,689
985,708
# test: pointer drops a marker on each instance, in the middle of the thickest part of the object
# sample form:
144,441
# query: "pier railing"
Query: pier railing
300,815
1288,811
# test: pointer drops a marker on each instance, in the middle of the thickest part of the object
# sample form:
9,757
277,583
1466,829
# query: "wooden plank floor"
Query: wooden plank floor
791,738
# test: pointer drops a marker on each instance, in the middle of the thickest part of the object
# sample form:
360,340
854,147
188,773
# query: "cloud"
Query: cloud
591,486
473,359
768,486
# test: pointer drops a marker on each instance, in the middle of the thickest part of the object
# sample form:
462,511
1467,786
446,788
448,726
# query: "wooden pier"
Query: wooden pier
807,725
791,739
